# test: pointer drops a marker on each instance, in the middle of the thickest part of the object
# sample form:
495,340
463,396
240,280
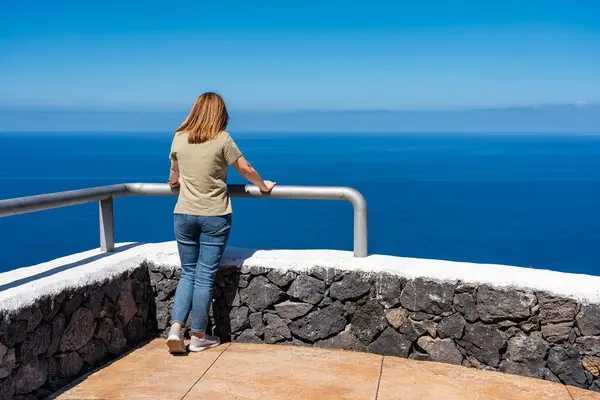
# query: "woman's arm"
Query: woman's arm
174,174
247,171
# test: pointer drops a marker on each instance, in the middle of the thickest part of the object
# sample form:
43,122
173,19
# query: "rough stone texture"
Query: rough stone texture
79,330
260,293
497,304
239,318
388,289
557,333
484,342
320,324
292,310
465,304
280,278
441,350
349,288
588,320
31,376
526,355
93,352
390,343
516,331
276,329
427,296
555,309
565,363
344,341
396,317
368,322
451,327
307,289
36,343
589,345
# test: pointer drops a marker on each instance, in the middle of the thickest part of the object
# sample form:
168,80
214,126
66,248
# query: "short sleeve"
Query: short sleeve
173,153
231,151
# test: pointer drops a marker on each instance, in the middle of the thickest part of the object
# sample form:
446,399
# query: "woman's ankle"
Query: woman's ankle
199,335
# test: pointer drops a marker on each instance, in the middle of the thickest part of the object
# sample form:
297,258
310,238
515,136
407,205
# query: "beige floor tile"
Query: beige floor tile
147,373
580,394
408,380
286,372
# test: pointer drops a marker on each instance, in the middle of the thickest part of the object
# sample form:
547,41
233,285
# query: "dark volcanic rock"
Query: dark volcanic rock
281,278
276,329
588,320
526,355
31,376
239,318
248,337
117,343
93,352
94,301
65,365
79,330
135,331
589,345
166,288
292,310
349,288
36,343
344,341
452,327
441,350
556,309
427,296
465,304
564,362
127,306
320,324
497,304
256,322
388,289
390,343
557,333
14,332
484,342
104,330
58,328
261,294
368,321
307,289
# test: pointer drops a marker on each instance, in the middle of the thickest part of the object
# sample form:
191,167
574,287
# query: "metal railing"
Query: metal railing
105,195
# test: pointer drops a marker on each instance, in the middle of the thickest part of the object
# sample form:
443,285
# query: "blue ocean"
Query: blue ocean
526,200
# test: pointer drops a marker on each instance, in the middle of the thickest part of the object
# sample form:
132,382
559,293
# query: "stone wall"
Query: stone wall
60,337
82,318
521,332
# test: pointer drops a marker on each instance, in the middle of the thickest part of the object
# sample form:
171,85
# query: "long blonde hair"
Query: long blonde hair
206,120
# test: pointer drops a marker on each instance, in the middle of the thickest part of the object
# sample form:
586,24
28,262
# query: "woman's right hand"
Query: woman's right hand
267,186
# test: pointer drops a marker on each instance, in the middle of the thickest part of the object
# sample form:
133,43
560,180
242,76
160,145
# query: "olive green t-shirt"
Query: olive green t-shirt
203,174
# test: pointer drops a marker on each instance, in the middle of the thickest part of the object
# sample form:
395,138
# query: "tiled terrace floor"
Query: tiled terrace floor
245,371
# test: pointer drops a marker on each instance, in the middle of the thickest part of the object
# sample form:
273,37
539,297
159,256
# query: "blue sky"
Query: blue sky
272,55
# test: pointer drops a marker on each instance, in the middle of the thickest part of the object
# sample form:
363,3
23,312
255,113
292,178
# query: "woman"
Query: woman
200,154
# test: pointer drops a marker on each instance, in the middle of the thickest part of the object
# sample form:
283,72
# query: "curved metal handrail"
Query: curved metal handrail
105,195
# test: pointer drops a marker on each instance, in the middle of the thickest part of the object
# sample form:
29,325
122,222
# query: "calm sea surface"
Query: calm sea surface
523,200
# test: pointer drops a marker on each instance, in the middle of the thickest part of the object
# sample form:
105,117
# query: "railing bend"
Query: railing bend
105,195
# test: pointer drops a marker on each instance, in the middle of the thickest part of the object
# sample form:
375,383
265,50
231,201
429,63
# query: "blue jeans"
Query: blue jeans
201,242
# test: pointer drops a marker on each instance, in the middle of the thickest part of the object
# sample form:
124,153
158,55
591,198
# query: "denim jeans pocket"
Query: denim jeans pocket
216,224
179,220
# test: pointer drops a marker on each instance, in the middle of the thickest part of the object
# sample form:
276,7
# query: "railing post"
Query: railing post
107,225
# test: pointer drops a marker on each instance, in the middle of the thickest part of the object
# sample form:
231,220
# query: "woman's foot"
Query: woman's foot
205,342
175,340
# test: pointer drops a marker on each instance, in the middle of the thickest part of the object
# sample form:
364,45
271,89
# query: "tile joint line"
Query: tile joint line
204,373
569,392
379,380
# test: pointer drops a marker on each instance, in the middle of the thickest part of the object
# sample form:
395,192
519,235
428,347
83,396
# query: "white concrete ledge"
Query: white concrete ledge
21,287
